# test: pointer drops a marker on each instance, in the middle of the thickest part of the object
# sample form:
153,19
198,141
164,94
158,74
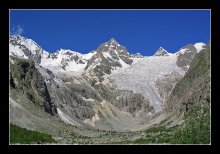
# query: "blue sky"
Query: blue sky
139,30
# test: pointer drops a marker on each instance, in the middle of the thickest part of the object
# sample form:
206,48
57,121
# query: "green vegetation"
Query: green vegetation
195,130
156,129
24,136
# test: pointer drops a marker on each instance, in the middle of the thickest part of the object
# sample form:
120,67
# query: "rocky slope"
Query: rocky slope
187,53
193,89
25,79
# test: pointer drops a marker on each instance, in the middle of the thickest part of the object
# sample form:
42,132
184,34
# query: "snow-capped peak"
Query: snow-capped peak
67,51
199,46
161,52
28,43
23,47
112,42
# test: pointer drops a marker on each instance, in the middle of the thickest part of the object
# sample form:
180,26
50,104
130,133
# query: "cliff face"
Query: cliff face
194,87
25,79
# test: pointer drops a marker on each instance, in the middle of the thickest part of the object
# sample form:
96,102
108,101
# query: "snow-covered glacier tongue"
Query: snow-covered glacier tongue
143,74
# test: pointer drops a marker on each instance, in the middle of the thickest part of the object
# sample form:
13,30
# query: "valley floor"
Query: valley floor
196,130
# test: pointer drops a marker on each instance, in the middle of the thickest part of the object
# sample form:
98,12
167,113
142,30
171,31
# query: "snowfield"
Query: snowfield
140,77
71,67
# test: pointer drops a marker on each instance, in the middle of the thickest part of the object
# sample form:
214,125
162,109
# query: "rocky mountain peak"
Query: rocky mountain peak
25,48
112,41
20,40
16,37
110,44
161,52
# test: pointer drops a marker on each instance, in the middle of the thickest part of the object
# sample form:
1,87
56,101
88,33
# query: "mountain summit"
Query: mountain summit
161,52
112,41
111,44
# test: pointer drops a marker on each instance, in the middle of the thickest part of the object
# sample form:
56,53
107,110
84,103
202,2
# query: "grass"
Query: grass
156,129
23,136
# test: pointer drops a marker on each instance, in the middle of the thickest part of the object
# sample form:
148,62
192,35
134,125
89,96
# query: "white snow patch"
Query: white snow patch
55,65
16,51
199,46
182,51
124,65
72,66
30,44
106,55
88,55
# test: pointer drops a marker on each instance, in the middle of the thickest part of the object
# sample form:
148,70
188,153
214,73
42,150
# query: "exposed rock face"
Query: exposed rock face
161,52
185,56
25,77
109,56
133,103
68,95
194,87
166,84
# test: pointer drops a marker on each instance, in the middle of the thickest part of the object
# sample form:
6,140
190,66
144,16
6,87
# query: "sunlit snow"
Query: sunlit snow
140,77
199,46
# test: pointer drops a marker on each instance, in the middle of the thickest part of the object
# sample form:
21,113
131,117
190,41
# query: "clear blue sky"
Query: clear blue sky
139,30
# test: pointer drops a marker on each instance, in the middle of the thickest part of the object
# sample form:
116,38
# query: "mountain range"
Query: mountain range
107,89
